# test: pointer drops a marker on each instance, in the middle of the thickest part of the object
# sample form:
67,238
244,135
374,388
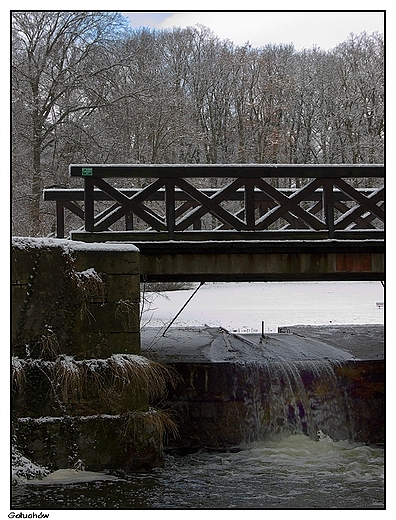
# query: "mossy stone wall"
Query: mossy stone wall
81,390
76,299
94,443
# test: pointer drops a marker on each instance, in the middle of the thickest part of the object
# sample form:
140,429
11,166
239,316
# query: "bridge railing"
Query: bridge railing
172,206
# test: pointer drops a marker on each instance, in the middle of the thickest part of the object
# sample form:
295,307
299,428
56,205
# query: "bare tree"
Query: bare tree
87,89
51,81
358,129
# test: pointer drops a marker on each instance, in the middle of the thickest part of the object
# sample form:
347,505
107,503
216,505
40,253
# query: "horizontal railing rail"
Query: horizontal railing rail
226,170
172,206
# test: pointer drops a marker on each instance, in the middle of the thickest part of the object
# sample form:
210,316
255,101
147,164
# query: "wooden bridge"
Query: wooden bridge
261,222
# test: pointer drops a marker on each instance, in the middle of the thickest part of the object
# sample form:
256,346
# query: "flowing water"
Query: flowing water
296,467
291,473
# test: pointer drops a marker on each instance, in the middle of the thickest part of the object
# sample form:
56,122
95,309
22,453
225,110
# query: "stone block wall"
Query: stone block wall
76,299
81,391
222,404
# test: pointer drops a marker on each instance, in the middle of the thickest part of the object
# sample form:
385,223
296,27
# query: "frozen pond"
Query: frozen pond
236,305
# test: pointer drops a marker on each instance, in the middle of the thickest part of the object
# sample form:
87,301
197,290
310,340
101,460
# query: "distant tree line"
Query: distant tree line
88,89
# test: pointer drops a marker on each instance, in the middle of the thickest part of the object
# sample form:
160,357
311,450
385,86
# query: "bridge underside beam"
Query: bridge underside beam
241,261
256,260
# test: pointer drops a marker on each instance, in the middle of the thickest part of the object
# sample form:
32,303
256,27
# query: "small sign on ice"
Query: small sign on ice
245,330
380,305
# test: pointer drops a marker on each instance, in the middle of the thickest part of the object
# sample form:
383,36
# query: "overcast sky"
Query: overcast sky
305,29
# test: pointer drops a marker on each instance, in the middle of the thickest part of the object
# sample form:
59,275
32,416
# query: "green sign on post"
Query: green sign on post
87,172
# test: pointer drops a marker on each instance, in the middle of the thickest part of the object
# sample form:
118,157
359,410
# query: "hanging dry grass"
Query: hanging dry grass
17,374
88,285
121,382
68,378
127,311
149,375
153,421
48,344
108,379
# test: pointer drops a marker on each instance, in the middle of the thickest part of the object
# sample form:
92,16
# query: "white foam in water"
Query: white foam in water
292,472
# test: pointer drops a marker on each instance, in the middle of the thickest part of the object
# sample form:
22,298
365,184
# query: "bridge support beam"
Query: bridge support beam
262,261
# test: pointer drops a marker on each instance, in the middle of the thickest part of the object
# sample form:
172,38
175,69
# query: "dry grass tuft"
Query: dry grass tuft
127,311
48,344
89,286
68,378
153,421
148,375
108,380
18,374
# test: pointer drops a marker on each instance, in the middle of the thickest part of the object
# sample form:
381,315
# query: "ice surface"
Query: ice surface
277,304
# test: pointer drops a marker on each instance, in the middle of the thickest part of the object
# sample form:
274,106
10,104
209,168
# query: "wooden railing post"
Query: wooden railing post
60,219
170,207
328,206
89,204
197,225
129,221
249,204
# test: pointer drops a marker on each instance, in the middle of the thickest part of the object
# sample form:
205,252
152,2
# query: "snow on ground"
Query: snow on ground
71,476
68,245
236,305
24,469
